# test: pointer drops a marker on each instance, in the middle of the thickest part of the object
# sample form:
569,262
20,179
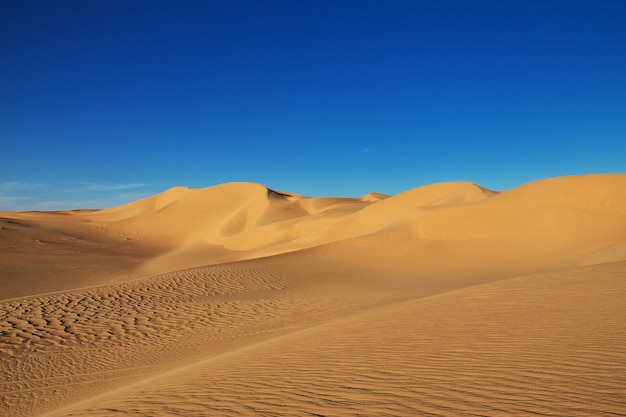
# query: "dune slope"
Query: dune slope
567,221
549,344
240,300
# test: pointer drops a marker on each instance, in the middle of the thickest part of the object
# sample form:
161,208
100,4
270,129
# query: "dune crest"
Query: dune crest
572,220
241,300
559,214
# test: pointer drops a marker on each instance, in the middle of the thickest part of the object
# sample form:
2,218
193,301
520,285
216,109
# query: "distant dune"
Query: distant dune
448,299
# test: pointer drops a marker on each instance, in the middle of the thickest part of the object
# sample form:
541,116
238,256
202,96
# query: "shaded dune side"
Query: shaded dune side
236,216
550,344
221,214
248,221
580,217
565,221
332,258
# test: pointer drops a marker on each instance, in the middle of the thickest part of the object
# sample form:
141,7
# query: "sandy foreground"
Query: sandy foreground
448,299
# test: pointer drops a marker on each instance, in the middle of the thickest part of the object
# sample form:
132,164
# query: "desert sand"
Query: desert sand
448,299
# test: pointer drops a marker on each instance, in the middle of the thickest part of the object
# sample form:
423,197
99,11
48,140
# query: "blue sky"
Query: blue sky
104,102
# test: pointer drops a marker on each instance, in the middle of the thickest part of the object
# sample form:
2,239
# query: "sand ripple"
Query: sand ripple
549,344
81,342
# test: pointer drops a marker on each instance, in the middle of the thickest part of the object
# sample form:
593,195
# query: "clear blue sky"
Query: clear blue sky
104,102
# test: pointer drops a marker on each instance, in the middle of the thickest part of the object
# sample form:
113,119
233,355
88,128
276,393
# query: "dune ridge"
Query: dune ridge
182,227
245,217
448,299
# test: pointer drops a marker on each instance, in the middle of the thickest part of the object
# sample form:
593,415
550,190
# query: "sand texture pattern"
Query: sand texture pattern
448,299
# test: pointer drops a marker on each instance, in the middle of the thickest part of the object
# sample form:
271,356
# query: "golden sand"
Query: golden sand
448,299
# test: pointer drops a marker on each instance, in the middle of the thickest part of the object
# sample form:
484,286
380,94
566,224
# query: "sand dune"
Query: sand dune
566,221
538,345
448,299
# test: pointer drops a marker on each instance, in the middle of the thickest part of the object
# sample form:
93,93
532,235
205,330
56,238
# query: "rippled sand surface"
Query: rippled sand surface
237,300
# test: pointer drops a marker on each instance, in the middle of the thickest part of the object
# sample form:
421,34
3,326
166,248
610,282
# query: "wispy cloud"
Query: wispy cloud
20,195
101,202
11,194
16,186
95,187
11,203
47,205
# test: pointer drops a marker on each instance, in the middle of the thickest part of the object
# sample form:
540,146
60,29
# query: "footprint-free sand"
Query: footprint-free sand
447,299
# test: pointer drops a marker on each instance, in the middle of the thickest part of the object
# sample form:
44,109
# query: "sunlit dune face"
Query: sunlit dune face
240,300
